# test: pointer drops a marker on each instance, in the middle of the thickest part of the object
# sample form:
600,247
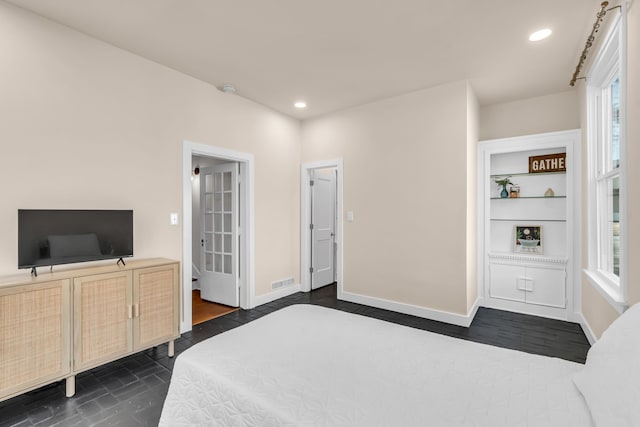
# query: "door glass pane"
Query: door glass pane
218,263
208,183
218,184
227,264
208,244
227,222
227,181
615,123
208,223
217,222
218,240
217,200
227,202
208,204
227,243
208,262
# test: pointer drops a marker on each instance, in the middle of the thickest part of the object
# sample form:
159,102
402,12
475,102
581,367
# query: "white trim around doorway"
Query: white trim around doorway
305,220
247,244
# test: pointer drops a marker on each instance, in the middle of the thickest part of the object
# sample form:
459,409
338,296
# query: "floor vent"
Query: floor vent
282,283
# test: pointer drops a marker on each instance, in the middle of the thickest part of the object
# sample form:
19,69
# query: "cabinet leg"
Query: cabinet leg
171,349
71,386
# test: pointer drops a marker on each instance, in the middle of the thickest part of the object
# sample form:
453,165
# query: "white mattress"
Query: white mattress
313,366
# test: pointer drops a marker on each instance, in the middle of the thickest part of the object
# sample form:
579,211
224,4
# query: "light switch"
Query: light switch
350,216
173,218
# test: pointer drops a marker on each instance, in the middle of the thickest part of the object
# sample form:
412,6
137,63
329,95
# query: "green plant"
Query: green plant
503,182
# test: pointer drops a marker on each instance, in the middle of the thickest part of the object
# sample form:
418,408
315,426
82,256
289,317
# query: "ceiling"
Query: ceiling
336,54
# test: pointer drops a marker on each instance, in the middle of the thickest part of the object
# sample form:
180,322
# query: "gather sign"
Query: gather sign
548,163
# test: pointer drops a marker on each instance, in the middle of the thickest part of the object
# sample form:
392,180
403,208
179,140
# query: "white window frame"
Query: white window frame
610,61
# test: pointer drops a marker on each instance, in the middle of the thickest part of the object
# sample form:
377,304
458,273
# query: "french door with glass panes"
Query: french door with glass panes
219,234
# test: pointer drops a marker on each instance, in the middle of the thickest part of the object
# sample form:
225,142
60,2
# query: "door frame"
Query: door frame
305,221
247,244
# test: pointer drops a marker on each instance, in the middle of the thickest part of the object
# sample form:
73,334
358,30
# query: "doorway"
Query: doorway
321,225
227,250
215,243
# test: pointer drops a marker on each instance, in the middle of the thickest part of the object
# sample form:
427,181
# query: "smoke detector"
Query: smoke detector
228,88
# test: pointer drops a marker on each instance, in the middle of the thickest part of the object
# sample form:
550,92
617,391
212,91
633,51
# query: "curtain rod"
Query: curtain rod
596,27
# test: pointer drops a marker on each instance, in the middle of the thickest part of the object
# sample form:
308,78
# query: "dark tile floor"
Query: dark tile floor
131,391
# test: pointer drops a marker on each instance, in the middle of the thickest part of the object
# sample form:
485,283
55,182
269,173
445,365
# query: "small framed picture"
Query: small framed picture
528,239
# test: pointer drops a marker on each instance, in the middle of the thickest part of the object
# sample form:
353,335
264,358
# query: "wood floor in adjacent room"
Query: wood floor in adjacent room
202,310
131,391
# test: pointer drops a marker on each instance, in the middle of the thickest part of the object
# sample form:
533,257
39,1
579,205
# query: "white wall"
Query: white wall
406,180
473,124
548,113
87,125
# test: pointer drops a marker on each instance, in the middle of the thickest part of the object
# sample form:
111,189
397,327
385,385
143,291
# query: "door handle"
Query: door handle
202,242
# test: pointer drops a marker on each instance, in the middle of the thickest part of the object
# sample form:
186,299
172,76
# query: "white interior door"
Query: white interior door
323,215
219,228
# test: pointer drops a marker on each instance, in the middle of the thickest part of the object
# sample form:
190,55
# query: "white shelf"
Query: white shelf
509,256
526,220
527,174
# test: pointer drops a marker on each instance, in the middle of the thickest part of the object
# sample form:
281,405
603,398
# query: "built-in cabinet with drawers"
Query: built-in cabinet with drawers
59,324
539,279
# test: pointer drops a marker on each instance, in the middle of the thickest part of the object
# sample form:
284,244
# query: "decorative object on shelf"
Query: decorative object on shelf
549,193
548,163
503,182
514,191
528,239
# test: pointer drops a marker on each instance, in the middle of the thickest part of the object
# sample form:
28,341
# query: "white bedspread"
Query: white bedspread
312,366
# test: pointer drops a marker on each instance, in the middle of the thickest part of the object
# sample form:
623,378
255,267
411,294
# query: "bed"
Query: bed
306,365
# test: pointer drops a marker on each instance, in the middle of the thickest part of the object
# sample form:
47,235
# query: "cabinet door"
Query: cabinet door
546,286
507,282
34,335
102,318
156,305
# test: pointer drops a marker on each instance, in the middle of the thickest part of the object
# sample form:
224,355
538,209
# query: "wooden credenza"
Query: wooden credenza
59,324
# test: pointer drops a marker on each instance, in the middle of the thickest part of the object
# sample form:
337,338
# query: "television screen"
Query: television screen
51,237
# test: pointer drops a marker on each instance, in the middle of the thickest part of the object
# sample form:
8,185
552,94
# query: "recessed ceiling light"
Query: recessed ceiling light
540,35
300,104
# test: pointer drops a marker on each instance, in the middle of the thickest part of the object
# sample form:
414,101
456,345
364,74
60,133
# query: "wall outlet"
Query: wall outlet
173,218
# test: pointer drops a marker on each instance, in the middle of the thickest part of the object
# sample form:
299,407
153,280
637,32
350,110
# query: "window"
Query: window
606,183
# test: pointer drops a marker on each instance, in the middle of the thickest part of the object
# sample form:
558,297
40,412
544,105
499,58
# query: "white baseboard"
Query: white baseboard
414,310
586,328
274,295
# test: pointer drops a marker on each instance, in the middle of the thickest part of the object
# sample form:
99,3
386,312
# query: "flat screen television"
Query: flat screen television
52,237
